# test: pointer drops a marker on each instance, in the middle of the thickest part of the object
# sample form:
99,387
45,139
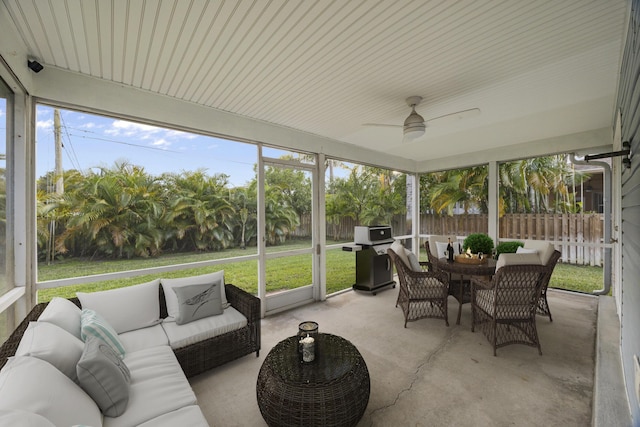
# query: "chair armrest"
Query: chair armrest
244,302
9,347
426,266
249,306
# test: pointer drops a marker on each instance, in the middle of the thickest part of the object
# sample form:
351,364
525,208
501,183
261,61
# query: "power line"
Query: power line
73,157
124,143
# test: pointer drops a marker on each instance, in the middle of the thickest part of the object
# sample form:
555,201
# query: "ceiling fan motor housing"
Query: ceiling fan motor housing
414,124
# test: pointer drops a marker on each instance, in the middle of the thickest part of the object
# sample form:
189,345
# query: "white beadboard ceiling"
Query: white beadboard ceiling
536,69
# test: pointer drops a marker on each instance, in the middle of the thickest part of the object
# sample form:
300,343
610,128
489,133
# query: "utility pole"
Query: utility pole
58,142
59,181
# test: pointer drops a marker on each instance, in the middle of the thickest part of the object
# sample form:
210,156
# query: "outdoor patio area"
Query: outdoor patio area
429,374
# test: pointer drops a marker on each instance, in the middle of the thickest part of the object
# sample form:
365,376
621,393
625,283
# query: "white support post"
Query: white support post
415,212
320,219
493,201
262,276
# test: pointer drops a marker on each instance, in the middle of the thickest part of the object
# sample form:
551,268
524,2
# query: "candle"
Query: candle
308,349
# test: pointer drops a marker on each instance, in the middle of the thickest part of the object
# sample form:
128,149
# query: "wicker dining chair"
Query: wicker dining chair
456,281
505,307
543,304
422,294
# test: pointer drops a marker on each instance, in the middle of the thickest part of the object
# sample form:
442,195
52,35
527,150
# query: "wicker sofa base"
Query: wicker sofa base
195,358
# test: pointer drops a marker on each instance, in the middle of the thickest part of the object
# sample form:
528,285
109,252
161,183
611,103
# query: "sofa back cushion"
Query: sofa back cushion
33,385
52,344
128,308
63,313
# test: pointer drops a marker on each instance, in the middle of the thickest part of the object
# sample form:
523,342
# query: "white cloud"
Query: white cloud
138,130
44,124
180,134
162,143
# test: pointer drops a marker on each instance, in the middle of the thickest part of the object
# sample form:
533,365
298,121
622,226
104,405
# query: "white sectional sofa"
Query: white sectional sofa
121,357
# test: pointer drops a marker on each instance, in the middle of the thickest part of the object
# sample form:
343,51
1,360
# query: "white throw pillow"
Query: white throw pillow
522,250
64,313
52,344
33,385
126,309
172,300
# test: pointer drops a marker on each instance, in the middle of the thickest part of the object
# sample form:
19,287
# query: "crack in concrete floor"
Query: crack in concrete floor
451,334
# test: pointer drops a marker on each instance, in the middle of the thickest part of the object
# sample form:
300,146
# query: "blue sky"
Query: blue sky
95,141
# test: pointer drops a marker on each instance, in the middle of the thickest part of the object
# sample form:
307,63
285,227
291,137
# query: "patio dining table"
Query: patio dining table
461,289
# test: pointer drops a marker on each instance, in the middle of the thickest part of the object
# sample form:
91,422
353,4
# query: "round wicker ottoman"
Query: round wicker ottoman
333,390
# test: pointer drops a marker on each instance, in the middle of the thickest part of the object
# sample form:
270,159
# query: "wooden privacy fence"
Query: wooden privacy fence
578,236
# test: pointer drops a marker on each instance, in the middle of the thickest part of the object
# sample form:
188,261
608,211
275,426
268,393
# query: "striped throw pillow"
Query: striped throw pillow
94,325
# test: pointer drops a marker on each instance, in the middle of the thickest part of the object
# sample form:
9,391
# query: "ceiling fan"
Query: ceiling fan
415,125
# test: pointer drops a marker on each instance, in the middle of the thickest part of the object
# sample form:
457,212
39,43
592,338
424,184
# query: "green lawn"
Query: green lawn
577,278
282,273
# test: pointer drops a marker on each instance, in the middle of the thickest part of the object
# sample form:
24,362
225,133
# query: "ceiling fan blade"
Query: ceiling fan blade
452,117
381,125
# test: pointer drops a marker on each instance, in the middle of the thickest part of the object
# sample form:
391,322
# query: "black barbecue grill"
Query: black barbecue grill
373,266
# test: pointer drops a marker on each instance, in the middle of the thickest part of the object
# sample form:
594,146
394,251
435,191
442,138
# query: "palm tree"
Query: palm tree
245,206
466,187
199,211
118,210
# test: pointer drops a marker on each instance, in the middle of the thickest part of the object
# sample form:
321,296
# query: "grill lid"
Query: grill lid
372,235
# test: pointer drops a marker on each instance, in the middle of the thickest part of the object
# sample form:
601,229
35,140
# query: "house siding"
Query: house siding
629,107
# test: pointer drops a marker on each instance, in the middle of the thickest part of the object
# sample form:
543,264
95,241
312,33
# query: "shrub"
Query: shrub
478,242
508,248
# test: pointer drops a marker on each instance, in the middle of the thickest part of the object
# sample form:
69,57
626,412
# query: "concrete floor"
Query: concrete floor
429,374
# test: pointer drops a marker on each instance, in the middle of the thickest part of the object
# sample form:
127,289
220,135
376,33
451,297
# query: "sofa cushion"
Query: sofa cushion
414,263
198,301
143,338
202,329
517,259
158,386
439,252
52,344
94,325
63,313
398,248
104,376
545,249
442,249
33,385
189,416
128,308
172,300
21,418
